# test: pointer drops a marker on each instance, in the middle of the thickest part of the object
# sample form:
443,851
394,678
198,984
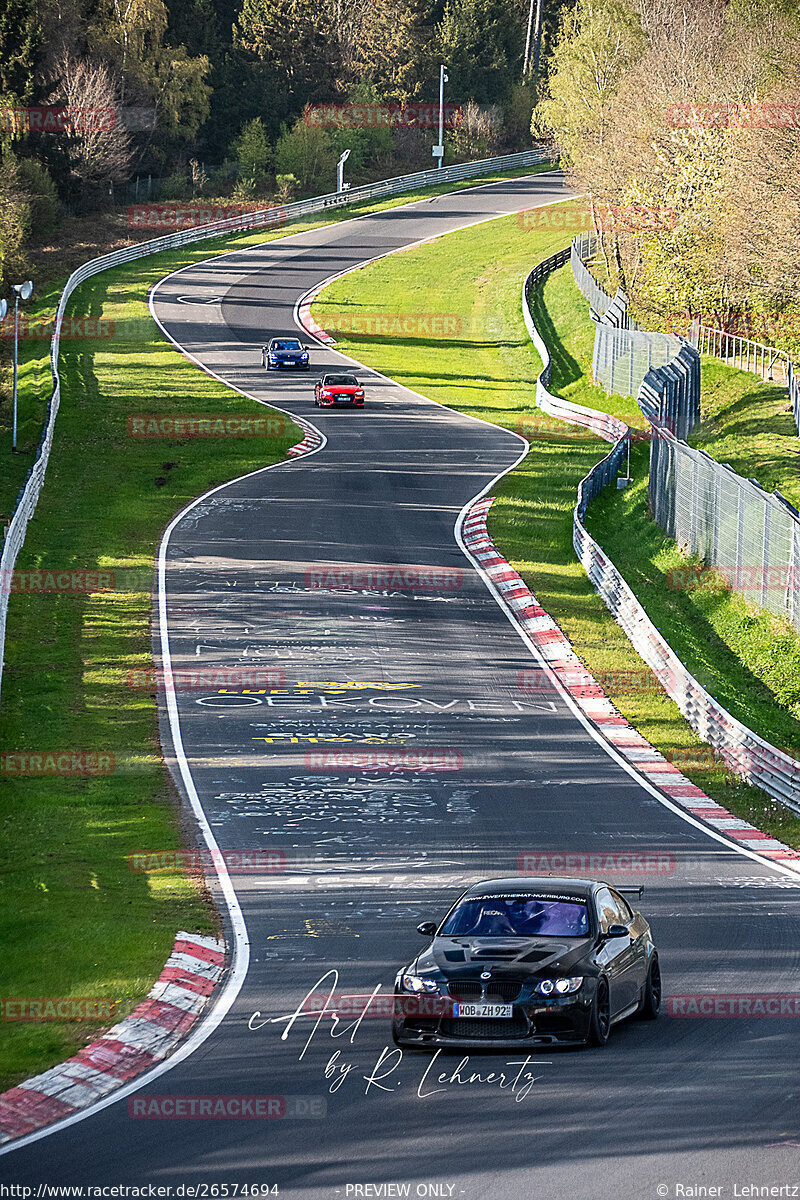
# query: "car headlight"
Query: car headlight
559,987
413,983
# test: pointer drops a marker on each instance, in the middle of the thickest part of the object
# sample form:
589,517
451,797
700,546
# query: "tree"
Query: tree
252,150
40,195
14,221
98,148
20,43
295,36
306,151
474,133
131,36
482,43
379,43
598,42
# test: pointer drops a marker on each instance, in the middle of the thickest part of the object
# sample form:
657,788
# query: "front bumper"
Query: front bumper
279,364
561,1022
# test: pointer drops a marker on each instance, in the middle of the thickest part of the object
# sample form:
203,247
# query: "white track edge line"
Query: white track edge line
225,998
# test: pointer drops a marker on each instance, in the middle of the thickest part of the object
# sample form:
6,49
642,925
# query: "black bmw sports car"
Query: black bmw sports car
531,962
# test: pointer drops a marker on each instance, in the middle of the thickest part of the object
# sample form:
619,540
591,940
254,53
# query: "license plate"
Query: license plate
482,1010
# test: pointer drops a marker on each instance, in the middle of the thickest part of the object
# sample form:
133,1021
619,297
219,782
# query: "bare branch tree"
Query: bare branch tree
98,147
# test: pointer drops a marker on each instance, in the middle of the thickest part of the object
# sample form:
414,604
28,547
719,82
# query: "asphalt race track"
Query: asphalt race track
428,667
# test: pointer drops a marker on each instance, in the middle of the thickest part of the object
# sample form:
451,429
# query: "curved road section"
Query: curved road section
383,752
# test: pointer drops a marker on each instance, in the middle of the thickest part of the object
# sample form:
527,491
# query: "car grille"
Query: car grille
345,397
475,1027
504,990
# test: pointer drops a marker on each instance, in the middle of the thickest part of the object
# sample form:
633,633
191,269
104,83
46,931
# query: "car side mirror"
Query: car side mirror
427,928
615,931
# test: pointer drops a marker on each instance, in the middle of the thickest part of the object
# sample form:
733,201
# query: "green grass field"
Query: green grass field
487,368
749,424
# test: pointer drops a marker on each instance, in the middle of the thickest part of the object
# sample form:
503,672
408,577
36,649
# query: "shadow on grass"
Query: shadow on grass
621,523
566,369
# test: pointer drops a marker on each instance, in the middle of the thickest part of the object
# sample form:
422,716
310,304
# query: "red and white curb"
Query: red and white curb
586,692
311,441
148,1035
307,321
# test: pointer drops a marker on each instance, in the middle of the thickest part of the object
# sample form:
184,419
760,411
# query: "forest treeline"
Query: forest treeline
212,97
681,121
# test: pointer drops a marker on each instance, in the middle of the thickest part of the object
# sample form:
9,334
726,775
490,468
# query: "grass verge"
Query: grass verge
749,424
486,367
78,921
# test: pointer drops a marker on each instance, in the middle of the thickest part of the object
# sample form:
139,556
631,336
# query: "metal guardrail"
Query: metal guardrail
603,424
749,355
583,248
743,751
30,492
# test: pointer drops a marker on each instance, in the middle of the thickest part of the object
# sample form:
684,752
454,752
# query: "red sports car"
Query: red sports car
339,389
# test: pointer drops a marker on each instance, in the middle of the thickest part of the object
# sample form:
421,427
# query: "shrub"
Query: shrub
41,196
308,153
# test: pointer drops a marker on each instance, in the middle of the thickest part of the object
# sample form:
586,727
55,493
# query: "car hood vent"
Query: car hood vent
500,952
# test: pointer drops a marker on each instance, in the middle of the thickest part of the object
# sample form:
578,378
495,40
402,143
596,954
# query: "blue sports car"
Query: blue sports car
284,352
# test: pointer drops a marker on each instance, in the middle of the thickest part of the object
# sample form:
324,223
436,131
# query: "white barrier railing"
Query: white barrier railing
745,753
29,495
749,355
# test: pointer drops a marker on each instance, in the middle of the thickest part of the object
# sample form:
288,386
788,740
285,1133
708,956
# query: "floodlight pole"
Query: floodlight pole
439,148
21,291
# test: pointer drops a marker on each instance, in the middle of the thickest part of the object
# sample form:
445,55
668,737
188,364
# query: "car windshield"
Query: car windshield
289,345
341,381
518,916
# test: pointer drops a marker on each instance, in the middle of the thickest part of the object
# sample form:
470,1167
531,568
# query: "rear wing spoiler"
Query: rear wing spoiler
638,892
